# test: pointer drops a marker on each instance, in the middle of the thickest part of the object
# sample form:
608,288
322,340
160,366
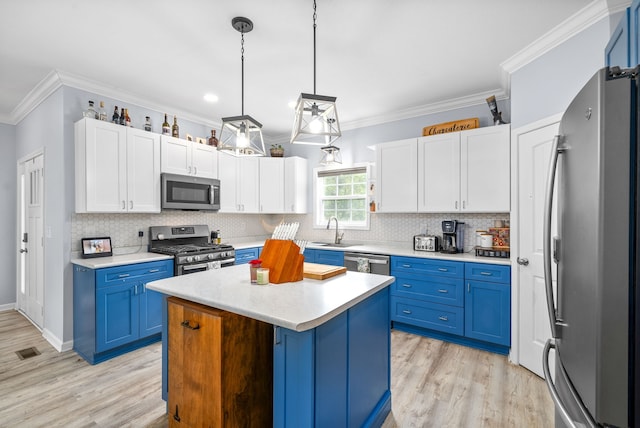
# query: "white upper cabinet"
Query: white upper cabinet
271,185
188,158
397,176
295,185
227,171
239,184
485,169
439,173
117,169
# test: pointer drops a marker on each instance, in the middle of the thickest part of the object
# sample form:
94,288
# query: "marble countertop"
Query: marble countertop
298,306
392,250
119,260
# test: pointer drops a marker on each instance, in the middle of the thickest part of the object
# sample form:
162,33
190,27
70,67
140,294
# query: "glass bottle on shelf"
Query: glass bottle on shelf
166,128
122,115
91,111
213,141
102,115
147,123
116,116
127,119
175,129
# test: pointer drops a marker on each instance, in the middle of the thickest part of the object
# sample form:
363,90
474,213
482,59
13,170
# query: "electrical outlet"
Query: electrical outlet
140,234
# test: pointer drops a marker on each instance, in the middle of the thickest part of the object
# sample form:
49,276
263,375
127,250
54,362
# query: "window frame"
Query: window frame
317,200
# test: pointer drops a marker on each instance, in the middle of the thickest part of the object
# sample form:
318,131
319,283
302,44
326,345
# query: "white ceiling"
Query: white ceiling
381,59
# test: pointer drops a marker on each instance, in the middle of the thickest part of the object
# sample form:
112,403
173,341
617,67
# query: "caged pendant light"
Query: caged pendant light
316,120
241,135
330,155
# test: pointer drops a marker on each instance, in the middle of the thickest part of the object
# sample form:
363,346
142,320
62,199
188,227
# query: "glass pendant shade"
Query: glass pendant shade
316,120
331,155
241,136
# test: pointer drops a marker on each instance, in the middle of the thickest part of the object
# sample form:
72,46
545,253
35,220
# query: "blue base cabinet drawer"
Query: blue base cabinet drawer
433,289
487,272
419,267
245,255
449,319
324,257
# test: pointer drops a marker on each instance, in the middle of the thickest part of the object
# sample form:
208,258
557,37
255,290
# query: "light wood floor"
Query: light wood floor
434,384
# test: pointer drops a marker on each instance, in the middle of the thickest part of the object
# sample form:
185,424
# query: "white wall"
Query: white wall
8,250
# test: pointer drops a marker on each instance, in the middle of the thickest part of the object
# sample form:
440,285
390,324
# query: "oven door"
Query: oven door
181,192
203,266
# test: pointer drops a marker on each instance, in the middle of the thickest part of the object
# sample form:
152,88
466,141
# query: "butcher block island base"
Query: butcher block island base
220,368
329,340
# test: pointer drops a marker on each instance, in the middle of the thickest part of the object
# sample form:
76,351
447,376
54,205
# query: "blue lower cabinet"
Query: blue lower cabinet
434,316
245,255
338,374
324,257
113,311
488,312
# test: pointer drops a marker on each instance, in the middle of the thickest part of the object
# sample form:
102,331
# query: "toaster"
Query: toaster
425,243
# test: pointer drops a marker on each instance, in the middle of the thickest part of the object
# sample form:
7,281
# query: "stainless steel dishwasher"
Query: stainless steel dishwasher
371,263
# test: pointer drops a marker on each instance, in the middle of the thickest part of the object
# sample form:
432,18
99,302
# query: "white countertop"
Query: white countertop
119,260
298,306
393,250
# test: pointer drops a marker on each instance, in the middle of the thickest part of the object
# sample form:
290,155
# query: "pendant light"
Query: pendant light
241,135
331,155
316,120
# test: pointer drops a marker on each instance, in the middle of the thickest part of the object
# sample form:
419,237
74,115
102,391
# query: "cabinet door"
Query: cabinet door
143,171
204,160
247,179
227,166
310,255
195,367
295,185
618,51
488,312
150,311
329,257
271,185
397,177
117,317
485,171
439,173
245,255
101,159
176,156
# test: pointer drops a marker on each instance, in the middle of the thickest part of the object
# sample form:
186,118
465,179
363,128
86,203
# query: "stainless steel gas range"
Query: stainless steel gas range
191,248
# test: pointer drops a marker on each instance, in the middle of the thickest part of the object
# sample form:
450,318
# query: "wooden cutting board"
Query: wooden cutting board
317,271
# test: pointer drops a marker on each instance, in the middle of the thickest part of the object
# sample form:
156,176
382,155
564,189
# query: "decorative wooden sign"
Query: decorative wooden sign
456,125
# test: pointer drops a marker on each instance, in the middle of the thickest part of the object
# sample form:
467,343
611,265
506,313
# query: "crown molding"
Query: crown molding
568,28
56,78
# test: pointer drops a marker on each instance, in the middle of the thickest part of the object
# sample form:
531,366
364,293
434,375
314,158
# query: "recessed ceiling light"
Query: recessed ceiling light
211,98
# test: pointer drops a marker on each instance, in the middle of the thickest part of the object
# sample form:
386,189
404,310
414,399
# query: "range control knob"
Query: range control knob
211,256
189,259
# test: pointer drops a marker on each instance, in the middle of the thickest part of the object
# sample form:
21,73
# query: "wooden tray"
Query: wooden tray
318,271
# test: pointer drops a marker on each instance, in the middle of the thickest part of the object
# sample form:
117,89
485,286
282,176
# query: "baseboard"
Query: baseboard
56,342
8,307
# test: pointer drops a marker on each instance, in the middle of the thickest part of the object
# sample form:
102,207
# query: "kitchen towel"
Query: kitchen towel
363,265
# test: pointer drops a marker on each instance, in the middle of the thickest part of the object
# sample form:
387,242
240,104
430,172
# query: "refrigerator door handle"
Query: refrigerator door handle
555,397
546,248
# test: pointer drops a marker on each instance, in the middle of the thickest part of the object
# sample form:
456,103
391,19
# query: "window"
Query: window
342,193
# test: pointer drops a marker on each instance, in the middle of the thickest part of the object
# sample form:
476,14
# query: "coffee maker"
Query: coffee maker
452,237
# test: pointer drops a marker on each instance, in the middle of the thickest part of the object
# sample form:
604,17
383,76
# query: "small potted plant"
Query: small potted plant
276,151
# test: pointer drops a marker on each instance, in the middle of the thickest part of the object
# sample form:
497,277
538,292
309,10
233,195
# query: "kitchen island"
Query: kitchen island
331,340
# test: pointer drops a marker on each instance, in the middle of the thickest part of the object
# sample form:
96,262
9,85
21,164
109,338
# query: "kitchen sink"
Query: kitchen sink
331,244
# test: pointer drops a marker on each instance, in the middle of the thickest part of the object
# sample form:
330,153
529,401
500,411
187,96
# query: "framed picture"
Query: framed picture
189,137
96,247
201,140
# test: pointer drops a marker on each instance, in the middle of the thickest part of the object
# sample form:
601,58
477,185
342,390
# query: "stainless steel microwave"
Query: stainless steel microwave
184,192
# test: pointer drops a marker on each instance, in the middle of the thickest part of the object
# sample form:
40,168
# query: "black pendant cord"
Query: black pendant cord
315,16
242,62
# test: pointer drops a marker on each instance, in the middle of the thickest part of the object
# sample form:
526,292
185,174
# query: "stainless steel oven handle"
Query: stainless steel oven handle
195,267
211,195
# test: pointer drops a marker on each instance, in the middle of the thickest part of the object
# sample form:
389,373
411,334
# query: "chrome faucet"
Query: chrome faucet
338,236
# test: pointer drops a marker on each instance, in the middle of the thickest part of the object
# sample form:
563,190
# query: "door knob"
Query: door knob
24,250
523,262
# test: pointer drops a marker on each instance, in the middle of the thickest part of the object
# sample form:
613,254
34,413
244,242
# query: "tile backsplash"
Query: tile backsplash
395,229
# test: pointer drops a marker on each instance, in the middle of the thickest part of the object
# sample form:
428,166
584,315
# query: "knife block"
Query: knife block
283,259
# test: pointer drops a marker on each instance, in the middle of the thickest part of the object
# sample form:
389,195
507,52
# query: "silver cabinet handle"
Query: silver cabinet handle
443,318
406,266
456,204
486,273
442,290
189,169
123,275
406,285
406,311
130,205
124,205
523,262
195,170
443,269
154,270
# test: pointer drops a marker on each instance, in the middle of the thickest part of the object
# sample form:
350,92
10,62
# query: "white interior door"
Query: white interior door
534,152
31,239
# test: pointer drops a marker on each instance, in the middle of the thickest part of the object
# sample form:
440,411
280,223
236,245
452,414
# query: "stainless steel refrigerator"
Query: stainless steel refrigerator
593,309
